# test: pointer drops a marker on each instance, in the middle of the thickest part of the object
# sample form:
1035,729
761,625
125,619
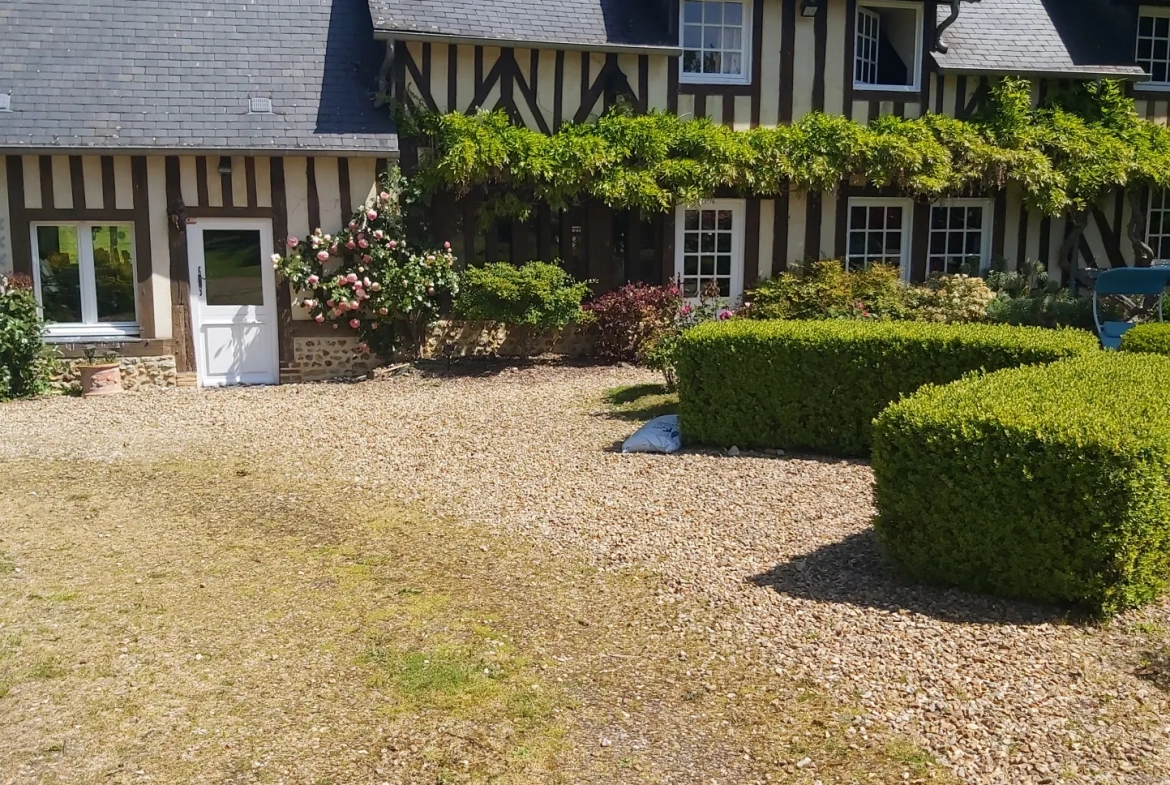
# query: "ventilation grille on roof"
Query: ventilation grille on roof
260,105
5,102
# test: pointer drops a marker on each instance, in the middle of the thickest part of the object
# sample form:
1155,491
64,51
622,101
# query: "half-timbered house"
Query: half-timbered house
153,155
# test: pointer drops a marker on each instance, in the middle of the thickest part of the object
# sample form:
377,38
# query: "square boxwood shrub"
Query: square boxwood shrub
1050,483
1151,338
817,385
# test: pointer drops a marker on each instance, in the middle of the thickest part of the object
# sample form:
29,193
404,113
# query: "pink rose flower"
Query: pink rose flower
328,238
354,323
367,258
361,347
353,305
385,197
350,245
313,280
319,318
365,282
310,303
372,215
375,286
447,246
431,291
383,311
329,303
333,250
350,278
378,234
335,327
364,244
293,242
393,244
353,224
323,256
375,325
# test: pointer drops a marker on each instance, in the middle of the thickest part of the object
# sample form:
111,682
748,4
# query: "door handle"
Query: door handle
199,279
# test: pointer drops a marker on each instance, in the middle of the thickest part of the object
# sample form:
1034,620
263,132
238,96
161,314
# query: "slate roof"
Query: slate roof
151,74
1040,37
596,24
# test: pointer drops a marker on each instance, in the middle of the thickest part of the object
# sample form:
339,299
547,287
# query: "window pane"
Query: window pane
938,218
708,219
973,243
113,272
1145,25
974,217
708,244
232,267
725,220
877,217
893,244
733,13
724,242
60,273
732,63
707,266
893,217
723,266
857,218
713,13
856,243
712,62
690,243
692,62
1161,27
693,11
690,265
693,37
691,221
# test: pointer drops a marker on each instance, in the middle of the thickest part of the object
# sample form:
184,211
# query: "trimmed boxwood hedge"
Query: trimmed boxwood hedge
817,385
1049,483
1151,338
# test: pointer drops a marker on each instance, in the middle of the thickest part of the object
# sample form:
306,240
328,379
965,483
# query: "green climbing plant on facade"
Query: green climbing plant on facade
1080,145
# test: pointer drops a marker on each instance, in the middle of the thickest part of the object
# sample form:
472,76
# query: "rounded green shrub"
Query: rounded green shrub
1049,483
1149,338
817,386
25,368
536,294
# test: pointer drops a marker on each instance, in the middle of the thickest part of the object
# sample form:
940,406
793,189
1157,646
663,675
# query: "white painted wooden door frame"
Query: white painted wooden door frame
247,332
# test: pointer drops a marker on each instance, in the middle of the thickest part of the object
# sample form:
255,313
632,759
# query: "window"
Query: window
716,41
84,279
1153,47
960,237
879,233
709,247
887,46
1158,224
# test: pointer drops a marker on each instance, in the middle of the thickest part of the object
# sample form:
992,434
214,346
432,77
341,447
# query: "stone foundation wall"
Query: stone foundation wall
136,372
484,339
320,359
323,358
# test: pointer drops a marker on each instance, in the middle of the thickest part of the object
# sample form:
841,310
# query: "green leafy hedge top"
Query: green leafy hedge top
1083,143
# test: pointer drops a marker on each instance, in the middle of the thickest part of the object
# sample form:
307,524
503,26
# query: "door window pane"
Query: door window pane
956,240
231,267
113,272
60,272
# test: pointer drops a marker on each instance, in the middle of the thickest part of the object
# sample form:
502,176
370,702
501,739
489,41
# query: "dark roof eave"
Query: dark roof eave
1086,72
389,34
16,148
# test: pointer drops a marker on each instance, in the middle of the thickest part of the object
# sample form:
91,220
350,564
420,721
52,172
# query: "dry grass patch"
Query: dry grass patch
198,621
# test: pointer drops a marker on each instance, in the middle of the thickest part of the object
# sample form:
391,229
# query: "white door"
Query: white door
233,301
708,249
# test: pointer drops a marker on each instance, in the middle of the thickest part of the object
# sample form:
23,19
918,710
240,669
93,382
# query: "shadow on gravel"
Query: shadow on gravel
855,572
486,367
1155,668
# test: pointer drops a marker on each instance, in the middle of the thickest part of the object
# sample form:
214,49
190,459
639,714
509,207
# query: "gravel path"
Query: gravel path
1000,692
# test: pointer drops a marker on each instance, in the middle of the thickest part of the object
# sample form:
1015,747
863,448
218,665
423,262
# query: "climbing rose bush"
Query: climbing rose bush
365,280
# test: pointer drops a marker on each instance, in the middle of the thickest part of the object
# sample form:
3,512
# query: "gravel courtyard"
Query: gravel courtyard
776,550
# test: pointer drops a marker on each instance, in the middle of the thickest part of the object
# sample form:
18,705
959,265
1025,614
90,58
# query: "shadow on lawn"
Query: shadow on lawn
855,572
640,402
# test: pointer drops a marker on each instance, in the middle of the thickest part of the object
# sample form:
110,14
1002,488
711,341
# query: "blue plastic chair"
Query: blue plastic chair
1127,281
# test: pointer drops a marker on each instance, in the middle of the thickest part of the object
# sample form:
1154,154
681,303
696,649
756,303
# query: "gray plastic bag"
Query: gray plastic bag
659,435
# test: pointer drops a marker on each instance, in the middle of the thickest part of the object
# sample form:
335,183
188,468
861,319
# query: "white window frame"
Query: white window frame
89,327
859,58
988,207
1164,208
915,67
744,78
1151,11
907,206
738,209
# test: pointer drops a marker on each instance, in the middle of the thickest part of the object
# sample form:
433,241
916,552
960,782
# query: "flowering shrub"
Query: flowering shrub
627,319
366,281
537,294
24,366
951,299
825,290
660,351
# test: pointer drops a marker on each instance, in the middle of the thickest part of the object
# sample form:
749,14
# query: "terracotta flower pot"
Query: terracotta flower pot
101,379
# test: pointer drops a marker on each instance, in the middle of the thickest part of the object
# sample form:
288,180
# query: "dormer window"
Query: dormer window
887,47
1153,46
716,41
